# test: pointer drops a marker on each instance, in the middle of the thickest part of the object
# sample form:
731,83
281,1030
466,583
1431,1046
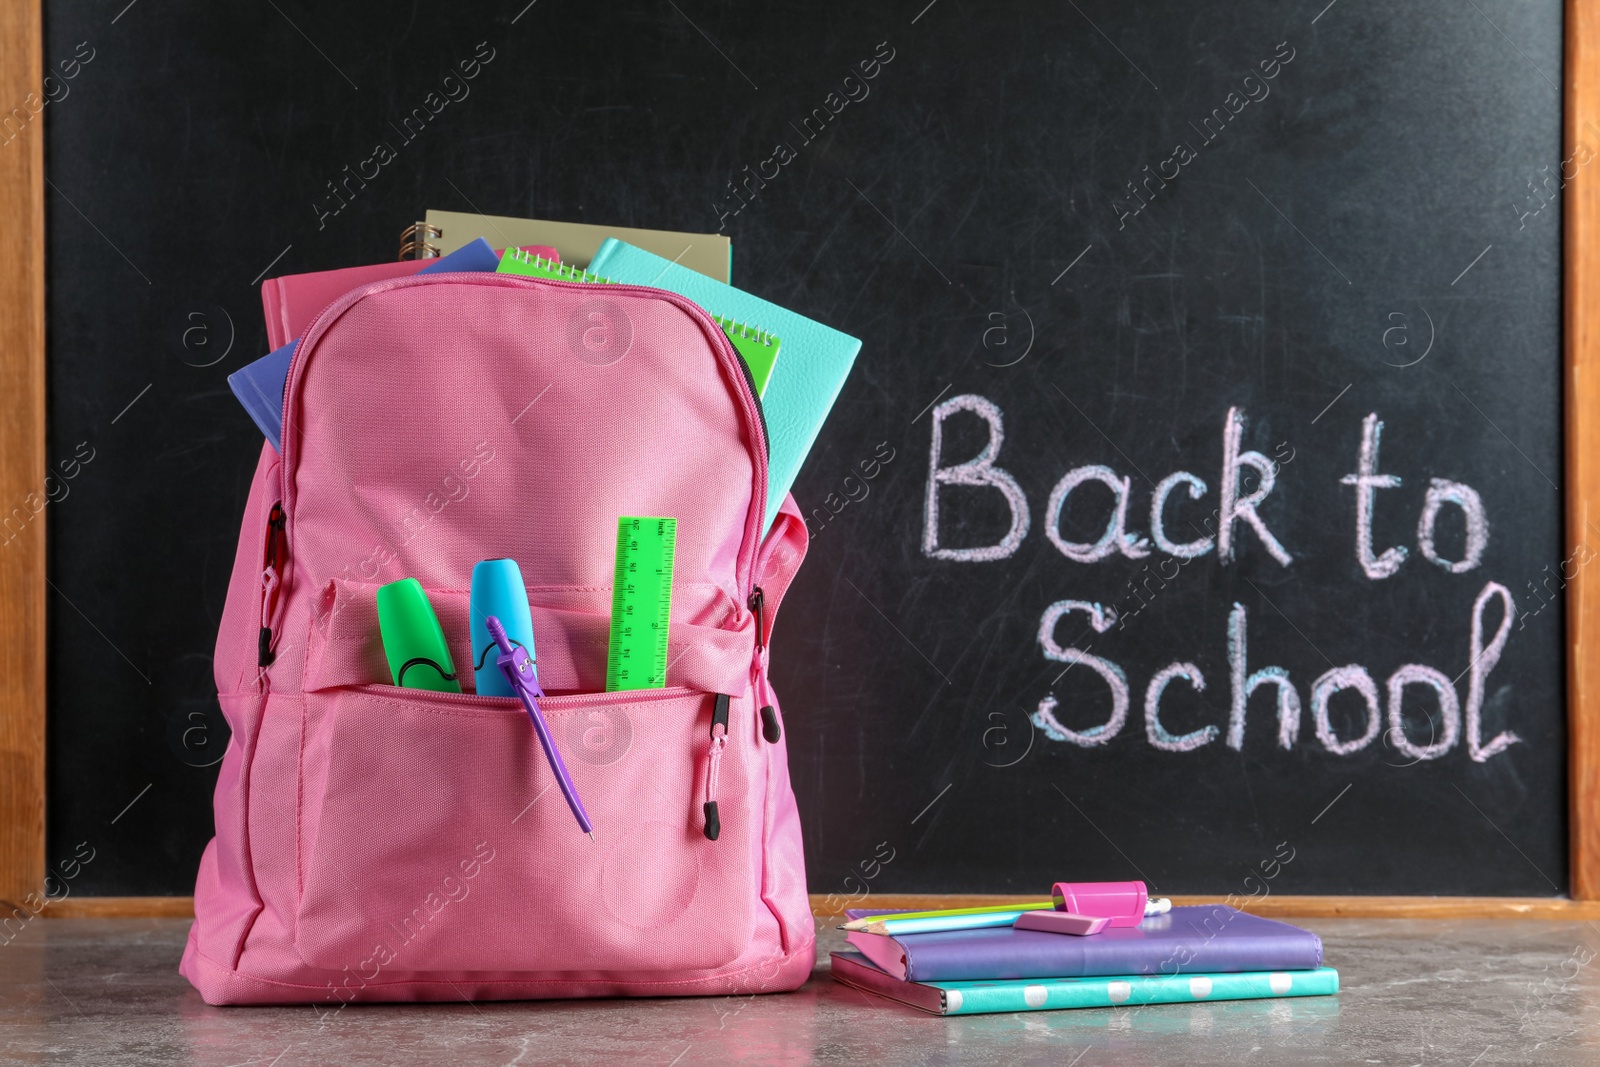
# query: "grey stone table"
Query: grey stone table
1466,993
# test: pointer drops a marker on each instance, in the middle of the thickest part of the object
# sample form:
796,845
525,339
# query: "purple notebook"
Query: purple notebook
1204,938
260,385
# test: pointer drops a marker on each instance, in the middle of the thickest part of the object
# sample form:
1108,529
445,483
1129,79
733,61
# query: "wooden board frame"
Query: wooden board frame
827,907
1580,254
24,586
22,460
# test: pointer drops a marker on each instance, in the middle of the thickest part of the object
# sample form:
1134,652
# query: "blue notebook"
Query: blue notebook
805,382
260,385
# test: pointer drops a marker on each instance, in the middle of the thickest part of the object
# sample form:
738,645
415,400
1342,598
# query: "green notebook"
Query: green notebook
1044,994
516,261
758,348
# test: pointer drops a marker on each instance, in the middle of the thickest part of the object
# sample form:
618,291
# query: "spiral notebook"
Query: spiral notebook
758,348
442,232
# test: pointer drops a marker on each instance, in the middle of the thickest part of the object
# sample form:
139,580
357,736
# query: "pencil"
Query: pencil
861,924
935,924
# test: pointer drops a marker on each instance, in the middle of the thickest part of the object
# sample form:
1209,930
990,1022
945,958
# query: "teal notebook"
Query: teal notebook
1044,994
816,359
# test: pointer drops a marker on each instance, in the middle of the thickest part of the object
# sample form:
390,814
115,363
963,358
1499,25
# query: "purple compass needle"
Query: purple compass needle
519,671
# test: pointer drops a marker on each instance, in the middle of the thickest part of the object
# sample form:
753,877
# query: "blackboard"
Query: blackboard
1116,232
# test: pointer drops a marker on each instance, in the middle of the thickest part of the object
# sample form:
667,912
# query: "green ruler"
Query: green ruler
641,603
758,348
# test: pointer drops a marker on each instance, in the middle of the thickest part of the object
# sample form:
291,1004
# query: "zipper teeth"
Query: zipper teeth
274,563
555,703
770,606
758,607
276,521
770,603
761,411
319,326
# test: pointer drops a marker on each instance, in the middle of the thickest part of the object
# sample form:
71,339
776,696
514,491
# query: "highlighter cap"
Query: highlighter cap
497,590
413,640
1121,902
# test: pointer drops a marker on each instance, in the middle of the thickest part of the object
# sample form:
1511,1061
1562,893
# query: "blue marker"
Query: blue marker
497,590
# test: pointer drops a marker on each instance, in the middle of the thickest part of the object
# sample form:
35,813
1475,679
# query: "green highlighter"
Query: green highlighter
413,640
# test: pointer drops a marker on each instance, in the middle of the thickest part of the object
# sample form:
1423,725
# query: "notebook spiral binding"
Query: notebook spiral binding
733,327
758,348
563,271
415,243
568,272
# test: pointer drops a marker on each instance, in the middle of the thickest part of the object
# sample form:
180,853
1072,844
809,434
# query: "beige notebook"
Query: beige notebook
443,232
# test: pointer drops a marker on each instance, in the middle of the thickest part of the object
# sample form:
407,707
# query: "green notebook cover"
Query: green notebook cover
1045,994
758,348
528,265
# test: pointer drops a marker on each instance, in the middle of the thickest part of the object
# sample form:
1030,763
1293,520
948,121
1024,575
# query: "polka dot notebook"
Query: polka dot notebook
1044,994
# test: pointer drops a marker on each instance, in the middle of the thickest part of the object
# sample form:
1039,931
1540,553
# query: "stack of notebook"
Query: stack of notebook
796,391
1203,952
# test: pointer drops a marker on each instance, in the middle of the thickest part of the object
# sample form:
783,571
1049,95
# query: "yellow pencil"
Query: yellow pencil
860,924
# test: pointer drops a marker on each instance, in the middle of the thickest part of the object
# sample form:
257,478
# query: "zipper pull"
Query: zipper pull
769,725
719,741
758,602
770,730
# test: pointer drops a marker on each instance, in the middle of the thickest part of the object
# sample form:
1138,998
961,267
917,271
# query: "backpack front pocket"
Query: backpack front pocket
433,835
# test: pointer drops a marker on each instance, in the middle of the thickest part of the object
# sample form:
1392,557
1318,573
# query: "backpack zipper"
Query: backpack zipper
719,741
761,410
718,341
271,582
771,731
719,725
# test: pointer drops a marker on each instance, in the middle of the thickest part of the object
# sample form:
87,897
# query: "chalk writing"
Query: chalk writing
1154,731
980,470
1367,481
1248,478
1100,619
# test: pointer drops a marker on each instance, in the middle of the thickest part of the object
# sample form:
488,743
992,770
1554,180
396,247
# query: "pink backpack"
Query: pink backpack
376,843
